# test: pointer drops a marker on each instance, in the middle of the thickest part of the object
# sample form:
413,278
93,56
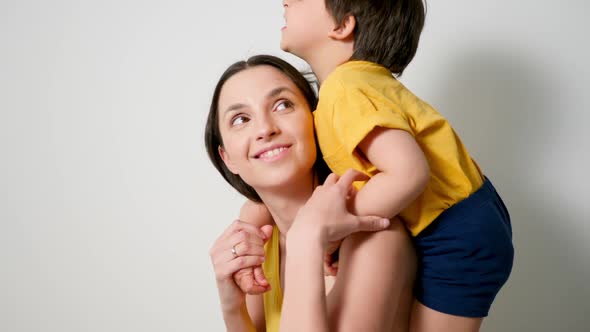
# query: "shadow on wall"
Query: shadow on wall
504,108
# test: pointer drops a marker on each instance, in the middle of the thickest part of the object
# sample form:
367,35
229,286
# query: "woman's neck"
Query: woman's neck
283,205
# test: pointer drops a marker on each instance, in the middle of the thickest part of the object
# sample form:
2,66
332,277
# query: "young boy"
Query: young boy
420,171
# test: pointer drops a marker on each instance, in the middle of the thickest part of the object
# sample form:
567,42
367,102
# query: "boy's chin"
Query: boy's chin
284,46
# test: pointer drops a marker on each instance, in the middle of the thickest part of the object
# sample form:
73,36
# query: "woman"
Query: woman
260,137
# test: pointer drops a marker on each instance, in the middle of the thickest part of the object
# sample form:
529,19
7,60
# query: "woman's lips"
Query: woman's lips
273,153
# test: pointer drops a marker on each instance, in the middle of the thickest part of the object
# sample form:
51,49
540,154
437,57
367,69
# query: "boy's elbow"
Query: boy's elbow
416,179
255,213
422,176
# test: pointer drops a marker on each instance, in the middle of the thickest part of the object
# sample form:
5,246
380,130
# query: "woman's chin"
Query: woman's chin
284,181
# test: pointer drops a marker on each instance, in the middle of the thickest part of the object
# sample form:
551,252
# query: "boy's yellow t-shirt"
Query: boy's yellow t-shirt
359,96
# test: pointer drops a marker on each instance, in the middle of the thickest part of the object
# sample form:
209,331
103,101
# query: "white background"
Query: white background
108,203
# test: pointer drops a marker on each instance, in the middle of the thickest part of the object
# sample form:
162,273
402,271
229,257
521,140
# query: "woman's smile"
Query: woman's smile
273,153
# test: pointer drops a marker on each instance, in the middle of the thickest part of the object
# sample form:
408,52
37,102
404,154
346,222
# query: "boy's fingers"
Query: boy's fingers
257,289
267,231
244,278
259,276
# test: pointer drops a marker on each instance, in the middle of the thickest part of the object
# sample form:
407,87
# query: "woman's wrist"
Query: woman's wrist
232,310
238,319
306,236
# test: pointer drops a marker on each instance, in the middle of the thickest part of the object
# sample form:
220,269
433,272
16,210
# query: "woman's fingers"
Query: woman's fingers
244,241
242,248
226,270
247,249
237,243
243,262
239,225
370,223
244,236
351,175
331,179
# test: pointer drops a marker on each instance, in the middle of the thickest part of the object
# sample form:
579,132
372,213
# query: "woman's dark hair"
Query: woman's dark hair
387,32
213,138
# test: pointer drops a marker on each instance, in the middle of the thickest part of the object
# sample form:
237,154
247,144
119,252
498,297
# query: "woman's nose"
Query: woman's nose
266,128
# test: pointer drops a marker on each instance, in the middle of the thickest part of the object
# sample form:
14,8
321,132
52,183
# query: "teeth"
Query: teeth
273,152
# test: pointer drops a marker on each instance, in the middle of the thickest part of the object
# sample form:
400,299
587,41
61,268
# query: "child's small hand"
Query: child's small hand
251,280
331,258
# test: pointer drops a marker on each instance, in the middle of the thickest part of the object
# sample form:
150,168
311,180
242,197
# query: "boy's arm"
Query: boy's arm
403,173
255,213
373,289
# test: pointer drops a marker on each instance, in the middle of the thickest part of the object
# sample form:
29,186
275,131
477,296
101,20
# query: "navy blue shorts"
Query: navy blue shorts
465,256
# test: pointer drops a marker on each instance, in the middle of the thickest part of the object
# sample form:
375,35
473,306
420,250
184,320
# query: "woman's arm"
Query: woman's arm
322,219
304,305
239,246
238,320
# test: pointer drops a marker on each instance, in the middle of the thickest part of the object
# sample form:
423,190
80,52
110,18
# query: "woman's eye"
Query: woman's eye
238,120
283,105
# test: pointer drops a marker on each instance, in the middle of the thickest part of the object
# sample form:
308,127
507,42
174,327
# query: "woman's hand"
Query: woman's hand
240,246
326,215
252,280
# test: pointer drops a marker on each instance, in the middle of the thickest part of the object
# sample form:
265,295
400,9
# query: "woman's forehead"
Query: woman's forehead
254,84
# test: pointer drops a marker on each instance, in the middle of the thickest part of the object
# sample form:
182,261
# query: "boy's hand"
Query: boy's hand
252,280
331,259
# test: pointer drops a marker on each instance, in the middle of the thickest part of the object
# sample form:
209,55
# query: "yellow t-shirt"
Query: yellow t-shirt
359,96
273,299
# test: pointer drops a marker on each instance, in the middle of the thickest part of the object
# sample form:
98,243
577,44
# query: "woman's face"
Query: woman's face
267,128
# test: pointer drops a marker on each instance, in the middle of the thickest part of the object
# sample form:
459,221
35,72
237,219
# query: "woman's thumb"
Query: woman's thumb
372,223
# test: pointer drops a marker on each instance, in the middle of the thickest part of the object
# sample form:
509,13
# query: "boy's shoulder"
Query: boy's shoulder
357,71
355,76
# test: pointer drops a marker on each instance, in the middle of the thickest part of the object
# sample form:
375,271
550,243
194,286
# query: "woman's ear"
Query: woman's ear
345,30
227,160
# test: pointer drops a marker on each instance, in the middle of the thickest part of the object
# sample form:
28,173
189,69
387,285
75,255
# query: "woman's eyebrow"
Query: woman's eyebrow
273,93
277,91
234,107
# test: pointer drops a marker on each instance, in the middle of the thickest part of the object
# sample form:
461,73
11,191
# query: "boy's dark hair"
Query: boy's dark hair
387,32
213,138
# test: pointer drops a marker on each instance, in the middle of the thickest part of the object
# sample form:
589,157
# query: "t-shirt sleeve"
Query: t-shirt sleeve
356,114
